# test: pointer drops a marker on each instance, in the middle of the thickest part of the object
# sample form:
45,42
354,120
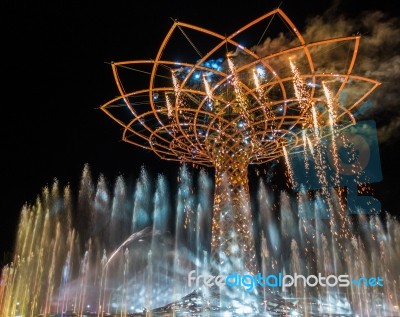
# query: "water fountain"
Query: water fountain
125,250
135,250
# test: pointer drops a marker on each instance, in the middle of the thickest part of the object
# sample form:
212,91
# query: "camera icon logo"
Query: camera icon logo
347,158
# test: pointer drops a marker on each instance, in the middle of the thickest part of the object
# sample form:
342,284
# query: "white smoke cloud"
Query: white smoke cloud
378,57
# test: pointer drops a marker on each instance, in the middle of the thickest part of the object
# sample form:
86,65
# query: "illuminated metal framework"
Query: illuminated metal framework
234,106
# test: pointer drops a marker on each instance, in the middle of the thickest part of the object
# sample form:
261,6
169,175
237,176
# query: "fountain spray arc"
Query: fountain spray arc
234,106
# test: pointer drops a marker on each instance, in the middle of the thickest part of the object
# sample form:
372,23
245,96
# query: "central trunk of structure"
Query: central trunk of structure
232,242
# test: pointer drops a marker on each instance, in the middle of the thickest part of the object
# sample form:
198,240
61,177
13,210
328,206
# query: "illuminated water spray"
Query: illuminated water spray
227,107
232,106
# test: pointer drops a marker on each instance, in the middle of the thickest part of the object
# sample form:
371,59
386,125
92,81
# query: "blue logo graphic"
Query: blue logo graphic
346,158
250,282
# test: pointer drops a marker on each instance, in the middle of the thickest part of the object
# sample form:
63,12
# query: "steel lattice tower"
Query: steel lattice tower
234,106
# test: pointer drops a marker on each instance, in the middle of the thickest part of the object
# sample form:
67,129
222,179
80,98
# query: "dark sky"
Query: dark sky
55,76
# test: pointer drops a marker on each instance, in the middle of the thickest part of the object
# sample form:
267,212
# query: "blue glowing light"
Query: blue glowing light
240,124
260,72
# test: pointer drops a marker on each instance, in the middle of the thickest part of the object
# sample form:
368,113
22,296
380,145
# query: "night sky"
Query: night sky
56,74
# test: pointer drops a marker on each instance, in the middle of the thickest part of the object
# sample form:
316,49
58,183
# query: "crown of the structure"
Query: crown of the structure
205,93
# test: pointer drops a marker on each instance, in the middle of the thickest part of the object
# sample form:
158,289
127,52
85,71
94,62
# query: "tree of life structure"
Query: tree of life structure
234,106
